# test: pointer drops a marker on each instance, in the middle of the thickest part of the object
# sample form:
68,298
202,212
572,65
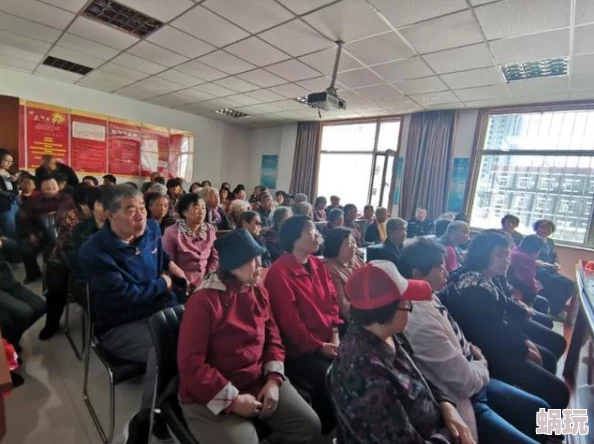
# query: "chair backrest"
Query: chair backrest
339,433
164,326
49,227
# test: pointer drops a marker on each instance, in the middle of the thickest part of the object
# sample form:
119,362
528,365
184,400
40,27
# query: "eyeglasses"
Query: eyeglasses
257,222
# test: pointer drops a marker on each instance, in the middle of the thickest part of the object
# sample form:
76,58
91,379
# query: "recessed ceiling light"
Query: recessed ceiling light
122,17
231,112
65,65
536,69
302,100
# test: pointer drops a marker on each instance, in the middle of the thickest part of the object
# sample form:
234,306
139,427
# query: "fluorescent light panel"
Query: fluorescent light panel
231,112
554,67
121,17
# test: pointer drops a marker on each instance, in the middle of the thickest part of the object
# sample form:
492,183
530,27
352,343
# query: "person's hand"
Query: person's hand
529,311
246,406
335,337
328,349
174,270
455,424
268,396
167,280
33,239
556,266
533,353
477,353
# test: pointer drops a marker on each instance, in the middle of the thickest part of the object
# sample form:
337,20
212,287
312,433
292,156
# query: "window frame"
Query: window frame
478,153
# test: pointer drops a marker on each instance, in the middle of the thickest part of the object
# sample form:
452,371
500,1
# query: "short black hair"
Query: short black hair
291,231
381,315
160,180
175,182
48,177
462,216
334,240
93,196
478,255
26,175
510,218
335,214
349,207
132,184
198,184
3,153
264,195
532,244
92,179
247,217
441,226
185,201
319,200
421,254
280,193
152,196
60,177
540,222
205,182
79,194
110,178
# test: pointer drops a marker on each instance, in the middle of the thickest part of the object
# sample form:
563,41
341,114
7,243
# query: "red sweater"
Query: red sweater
228,340
304,303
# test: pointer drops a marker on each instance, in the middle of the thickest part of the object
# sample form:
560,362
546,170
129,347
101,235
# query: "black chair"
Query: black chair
49,234
118,370
76,294
339,438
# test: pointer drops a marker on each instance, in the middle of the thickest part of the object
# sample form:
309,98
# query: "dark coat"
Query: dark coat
386,251
41,173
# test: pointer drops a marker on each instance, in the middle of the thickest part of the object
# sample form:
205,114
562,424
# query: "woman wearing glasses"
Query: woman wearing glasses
251,221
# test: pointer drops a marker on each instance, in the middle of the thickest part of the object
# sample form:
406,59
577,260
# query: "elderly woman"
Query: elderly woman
157,205
195,187
319,210
210,196
396,229
271,237
305,305
190,241
236,209
557,288
230,357
457,235
350,216
378,391
335,219
252,221
340,258
304,209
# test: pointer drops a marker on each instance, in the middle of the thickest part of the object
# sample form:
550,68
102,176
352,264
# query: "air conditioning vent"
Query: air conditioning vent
122,17
231,112
65,65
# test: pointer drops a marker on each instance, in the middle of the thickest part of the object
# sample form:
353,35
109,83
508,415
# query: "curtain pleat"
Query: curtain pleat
307,159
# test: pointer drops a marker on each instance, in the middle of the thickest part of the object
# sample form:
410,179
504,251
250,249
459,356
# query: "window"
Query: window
538,165
357,161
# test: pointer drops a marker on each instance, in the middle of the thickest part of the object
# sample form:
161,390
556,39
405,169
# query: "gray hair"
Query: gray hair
157,188
205,191
152,197
303,209
111,197
395,223
300,197
279,215
456,227
335,214
379,210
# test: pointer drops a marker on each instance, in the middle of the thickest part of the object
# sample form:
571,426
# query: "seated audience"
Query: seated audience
236,209
174,192
458,367
195,188
335,219
300,197
109,180
390,249
289,201
304,209
376,232
255,197
420,225
130,278
206,183
50,166
190,241
9,196
379,393
265,211
272,236
319,210
157,206
36,240
509,224
367,219
239,193
27,186
222,391
462,217
155,177
448,215
457,234
441,227
512,343
90,181
132,184
305,306
224,195
63,184
251,221
214,215
350,217
341,259
334,204
279,198
521,273
557,289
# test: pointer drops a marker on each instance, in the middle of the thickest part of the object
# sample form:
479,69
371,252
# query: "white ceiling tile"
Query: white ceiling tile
76,57
296,38
98,32
481,2
21,42
131,61
403,69
303,6
98,85
482,93
60,74
265,95
159,9
29,29
180,78
226,62
159,86
180,42
262,108
445,106
395,104
459,59
378,92
257,51
511,18
38,12
531,47
534,87
194,108
211,28
214,104
358,78
473,78
194,95
451,31
420,86
323,61
155,53
434,98
215,90
405,12
582,65
347,20
583,38
20,64
176,99
123,71
486,103
292,70
379,49
582,83
582,95
289,105
244,100
236,84
20,54
104,81
262,78
70,5
316,85
201,71
584,11
136,92
290,90
252,15
76,43
541,98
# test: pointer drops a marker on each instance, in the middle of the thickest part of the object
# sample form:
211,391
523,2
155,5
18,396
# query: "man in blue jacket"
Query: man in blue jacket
130,278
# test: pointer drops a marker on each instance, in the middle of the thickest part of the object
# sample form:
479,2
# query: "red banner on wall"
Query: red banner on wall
124,149
154,151
47,133
22,148
89,144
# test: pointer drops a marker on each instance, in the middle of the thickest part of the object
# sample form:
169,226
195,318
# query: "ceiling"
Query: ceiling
257,56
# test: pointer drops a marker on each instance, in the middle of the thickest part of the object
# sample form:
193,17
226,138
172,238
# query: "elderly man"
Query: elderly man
420,225
376,232
130,278
50,166
390,249
265,211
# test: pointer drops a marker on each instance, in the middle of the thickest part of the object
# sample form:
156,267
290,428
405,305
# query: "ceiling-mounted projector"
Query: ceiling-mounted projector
328,100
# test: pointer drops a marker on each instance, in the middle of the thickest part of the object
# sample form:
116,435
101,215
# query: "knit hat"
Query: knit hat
379,283
236,249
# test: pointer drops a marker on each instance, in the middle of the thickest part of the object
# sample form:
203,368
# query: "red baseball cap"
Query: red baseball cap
379,283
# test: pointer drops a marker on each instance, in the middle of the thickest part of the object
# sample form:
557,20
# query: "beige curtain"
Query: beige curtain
426,177
307,159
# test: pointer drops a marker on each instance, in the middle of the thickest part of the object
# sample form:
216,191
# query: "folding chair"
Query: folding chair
76,295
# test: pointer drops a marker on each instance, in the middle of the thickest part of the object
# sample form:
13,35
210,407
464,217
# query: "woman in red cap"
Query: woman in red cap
378,391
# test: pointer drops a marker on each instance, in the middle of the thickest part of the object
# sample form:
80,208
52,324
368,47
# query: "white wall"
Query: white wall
464,132
217,145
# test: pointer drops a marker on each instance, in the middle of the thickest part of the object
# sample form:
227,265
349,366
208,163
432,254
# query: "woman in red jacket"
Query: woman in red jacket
231,358
305,306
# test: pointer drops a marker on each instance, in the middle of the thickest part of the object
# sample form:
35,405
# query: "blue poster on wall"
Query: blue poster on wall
458,184
269,171
398,181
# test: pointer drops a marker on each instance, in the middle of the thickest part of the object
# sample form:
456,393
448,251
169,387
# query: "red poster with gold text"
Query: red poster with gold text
154,151
47,133
123,149
89,144
22,143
